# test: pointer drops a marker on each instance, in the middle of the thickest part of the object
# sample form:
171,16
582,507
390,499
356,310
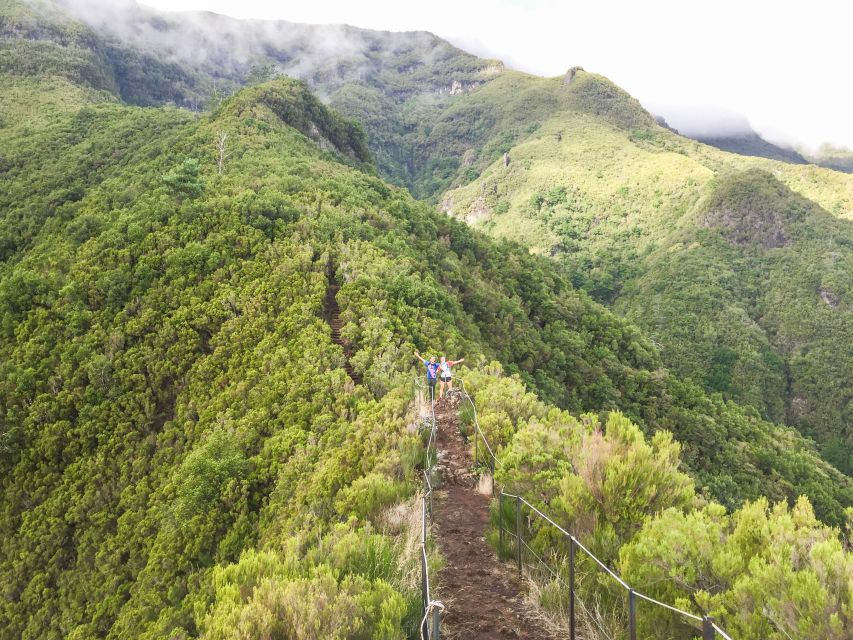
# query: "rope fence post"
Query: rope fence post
501,521
632,615
492,470
518,528
571,588
424,591
708,632
436,619
476,446
430,495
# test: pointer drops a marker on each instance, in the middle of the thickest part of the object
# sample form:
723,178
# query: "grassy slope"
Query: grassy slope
618,203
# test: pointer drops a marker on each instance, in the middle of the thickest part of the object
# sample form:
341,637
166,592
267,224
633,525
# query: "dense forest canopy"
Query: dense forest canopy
183,454
591,180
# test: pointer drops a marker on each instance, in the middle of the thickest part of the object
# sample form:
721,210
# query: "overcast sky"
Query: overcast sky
784,65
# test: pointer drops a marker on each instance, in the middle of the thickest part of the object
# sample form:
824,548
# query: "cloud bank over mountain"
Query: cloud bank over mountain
786,79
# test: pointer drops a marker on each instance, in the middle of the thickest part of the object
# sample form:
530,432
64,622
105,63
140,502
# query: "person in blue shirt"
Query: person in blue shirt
431,371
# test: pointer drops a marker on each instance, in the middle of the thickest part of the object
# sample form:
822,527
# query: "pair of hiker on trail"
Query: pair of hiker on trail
439,371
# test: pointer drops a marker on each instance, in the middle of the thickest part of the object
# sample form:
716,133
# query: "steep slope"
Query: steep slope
393,83
177,424
42,38
831,157
757,304
620,203
167,372
752,144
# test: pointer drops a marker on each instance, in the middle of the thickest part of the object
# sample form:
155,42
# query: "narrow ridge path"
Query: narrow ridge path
333,317
484,597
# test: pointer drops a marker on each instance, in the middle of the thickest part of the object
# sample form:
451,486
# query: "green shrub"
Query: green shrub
724,565
369,494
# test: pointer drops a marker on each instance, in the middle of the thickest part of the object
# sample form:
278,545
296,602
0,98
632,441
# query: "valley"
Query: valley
214,270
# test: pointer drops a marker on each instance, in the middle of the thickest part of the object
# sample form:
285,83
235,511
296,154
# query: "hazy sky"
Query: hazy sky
785,65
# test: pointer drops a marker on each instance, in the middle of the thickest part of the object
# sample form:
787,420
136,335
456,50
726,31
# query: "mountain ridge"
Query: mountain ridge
436,144
186,453
752,144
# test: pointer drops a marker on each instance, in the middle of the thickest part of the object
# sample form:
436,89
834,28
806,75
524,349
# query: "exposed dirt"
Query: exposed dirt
333,317
484,598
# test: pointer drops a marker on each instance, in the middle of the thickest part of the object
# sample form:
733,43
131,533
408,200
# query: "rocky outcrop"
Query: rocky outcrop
478,211
570,75
446,205
493,69
456,88
828,297
748,227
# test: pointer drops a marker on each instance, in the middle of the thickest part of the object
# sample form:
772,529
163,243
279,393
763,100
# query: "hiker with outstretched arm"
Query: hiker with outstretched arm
432,372
446,378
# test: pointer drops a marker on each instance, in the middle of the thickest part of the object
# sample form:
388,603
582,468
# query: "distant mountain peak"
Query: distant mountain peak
726,130
749,143
292,103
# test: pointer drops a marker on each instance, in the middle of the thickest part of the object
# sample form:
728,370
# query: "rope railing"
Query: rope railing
479,435
710,630
431,621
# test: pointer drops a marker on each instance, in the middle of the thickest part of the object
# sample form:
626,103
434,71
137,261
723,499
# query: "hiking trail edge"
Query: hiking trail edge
484,597
333,317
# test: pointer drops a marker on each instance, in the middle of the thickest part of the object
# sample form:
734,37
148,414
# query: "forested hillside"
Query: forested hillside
172,398
182,451
395,84
592,180
738,268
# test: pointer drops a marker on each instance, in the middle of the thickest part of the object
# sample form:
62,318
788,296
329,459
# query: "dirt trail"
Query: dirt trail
333,317
484,597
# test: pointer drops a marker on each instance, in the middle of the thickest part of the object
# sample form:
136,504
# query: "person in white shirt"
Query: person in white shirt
445,375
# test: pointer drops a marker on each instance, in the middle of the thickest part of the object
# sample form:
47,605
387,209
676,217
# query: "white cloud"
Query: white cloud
785,65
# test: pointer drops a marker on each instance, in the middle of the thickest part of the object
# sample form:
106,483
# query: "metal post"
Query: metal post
632,616
708,632
424,590
501,522
492,470
436,621
476,446
518,528
423,521
571,588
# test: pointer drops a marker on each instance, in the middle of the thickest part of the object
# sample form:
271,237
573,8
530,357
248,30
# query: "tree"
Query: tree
184,181
221,139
